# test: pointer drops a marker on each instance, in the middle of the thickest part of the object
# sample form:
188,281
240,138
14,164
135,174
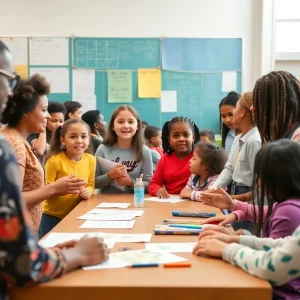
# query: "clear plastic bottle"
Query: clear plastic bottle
139,193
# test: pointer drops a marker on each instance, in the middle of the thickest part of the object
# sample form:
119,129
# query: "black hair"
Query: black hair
56,107
165,133
55,143
209,133
144,123
212,156
276,176
90,117
3,48
25,98
276,105
71,107
150,132
231,99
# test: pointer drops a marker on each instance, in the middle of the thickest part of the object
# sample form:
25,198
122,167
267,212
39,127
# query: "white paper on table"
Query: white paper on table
168,101
128,258
107,224
111,214
113,204
106,165
57,77
88,102
229,81
55,238
126,237
172,199
83,82
171,247
111,263
49,51
18,49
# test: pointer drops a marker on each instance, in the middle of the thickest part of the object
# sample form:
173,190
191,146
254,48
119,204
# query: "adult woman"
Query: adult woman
26,113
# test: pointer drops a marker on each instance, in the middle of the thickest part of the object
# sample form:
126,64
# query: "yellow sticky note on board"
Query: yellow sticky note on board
149,83
21,70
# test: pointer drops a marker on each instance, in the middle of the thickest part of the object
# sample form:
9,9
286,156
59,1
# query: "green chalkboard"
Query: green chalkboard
113,53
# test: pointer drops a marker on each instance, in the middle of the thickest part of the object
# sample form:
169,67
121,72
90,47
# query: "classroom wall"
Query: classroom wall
141,18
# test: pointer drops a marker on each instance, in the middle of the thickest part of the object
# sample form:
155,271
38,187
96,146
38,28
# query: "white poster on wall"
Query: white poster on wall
83,82
229,79
49,51
18,49
168,101
58,78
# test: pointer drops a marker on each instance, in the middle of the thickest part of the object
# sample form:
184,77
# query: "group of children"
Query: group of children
185,162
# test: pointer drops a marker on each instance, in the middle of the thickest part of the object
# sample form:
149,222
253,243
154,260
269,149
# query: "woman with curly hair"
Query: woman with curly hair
26,113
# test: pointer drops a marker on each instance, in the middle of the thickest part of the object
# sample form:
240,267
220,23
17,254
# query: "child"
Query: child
153,141
207,136
97,125
206,164
238,170
277,174
73,110
40,141
68,155
172,171
124,145
228,129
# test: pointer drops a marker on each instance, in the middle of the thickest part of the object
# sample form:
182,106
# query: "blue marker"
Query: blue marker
144,265
177,213
185,226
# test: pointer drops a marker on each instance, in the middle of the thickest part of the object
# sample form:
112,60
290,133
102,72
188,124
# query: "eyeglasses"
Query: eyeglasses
13,79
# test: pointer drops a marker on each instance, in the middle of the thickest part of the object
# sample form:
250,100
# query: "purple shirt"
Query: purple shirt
285,218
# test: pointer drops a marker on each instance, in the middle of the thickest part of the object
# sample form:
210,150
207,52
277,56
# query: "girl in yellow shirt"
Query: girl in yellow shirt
69,155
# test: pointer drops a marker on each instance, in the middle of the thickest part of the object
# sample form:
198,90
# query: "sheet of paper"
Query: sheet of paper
107,224
58,78
168,101
83,82
229,81
87,102
171,247
111,263
126,237
106,165
111,204
119,86
49,51
18,49
55,238
111,215
149,83
127,258
21,70
172,199
135,212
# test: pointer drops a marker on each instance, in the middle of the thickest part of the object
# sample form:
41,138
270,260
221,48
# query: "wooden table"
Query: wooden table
207,278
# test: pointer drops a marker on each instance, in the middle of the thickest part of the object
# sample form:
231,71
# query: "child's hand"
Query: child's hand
185,193
125,180
162,193
212,234
211,247
223,220
84,194
117,171
217,198
221,229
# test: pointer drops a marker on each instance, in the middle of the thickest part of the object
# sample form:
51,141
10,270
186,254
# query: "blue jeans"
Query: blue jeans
47,224
245,224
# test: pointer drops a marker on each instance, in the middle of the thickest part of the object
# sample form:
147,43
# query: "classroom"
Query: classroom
150,149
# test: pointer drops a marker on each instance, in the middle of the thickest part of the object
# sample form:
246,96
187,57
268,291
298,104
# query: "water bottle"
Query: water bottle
139,193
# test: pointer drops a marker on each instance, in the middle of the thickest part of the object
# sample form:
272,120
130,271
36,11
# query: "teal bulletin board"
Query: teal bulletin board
191,67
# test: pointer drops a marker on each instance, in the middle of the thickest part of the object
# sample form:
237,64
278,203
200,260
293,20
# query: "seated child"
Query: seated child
153,141
206,164
207,135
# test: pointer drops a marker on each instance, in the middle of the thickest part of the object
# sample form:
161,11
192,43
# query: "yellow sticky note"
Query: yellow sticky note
21,70
149,83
